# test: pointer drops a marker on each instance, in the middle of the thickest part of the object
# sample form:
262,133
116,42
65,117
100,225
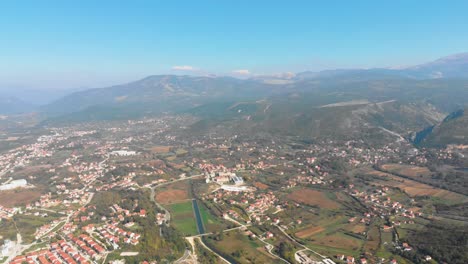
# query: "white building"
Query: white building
6,248
237,180
123,153
14,184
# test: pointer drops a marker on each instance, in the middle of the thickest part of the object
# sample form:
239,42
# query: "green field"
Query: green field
183,218
238,247
211,222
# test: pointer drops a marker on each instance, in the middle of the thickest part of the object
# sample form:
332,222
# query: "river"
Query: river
200,227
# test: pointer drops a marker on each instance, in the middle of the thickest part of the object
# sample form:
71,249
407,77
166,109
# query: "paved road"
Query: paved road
167,215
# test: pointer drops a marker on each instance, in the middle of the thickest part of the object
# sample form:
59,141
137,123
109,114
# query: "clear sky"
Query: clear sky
70,44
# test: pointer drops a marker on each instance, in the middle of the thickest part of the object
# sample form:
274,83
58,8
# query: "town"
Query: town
145,192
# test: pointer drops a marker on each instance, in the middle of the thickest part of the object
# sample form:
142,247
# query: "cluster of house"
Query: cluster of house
75,250
352,260
23,155
6,213
261,203
381,204
301,180
125,182
44,229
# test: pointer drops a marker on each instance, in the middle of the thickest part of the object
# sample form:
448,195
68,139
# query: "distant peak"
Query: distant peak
454,57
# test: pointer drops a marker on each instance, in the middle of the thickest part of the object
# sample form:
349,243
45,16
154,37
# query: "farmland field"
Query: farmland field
212,224
260,185
242,249
173,193
307,232
183,218
19,197
161,149
313,198
414,188
407,170
340,241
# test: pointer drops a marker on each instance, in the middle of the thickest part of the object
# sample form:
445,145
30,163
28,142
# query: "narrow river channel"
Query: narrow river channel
198,218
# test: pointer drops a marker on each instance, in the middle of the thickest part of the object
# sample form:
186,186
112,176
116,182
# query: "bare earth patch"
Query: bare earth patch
19,197
171,196
161,149
260,185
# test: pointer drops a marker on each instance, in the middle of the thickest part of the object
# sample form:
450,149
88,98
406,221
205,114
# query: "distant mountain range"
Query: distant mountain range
340,103
13,105
454,66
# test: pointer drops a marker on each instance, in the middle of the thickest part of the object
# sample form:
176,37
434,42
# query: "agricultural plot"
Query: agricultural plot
19,197
173,193
313,198
414,188
238,247
407,170
331,235
183,218
373,239
309,231
161,149
211,222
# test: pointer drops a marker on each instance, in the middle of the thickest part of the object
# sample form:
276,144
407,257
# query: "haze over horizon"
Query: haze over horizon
59,45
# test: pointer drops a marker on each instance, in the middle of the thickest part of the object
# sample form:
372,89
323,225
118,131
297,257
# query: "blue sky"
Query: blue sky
70,44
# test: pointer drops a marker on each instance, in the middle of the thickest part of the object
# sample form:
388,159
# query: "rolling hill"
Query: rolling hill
332,104
452,130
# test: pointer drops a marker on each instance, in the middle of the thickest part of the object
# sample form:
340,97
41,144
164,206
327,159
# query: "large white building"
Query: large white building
6,248
123,153
237,180
13,185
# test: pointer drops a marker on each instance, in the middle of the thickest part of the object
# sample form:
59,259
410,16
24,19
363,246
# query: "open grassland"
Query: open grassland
173,193
373,239
211,222
19,197
313,198
414,188
183,218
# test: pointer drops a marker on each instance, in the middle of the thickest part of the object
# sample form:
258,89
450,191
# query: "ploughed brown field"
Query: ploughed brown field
19,197
313,197
173,193
260,185
161,149
171,196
